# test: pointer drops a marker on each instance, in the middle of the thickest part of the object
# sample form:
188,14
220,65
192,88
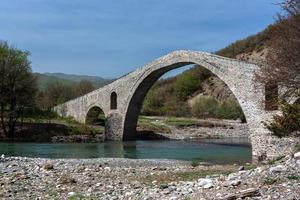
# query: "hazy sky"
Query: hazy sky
112,37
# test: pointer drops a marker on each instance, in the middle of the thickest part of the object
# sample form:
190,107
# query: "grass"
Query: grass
273,161
195,163
151,124
270,181
180,122
250,166
297,148
76,196
294,177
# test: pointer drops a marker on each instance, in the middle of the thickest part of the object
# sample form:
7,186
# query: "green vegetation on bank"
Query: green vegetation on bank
38,116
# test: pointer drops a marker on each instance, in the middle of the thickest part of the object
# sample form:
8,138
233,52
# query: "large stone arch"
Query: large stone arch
132,88
237,75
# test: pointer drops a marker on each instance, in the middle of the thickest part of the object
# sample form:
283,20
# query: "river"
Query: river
217,151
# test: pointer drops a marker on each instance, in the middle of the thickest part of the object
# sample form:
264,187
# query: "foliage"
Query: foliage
287,123
205,107
153,104
84,87
176,108
195,163
17,86
230,109
185,85
58,92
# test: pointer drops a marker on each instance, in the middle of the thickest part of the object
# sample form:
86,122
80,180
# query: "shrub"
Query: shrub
175,107
195,163
185,85
205,107
230,109
153,104
287,123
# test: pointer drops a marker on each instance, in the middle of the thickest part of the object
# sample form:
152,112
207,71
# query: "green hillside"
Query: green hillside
68,79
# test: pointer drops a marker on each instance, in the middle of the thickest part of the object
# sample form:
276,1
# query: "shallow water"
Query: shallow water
218,151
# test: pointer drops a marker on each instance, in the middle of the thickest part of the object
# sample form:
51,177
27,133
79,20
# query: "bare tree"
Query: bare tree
282,65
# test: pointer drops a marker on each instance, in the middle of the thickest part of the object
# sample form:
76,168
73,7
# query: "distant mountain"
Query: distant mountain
69,79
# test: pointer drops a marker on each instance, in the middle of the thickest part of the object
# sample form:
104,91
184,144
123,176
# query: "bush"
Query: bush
185,85
205,107
287,123
230,109
176,108
153,104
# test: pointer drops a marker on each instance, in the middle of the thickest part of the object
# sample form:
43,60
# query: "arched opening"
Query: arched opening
113,101
143,88
96,118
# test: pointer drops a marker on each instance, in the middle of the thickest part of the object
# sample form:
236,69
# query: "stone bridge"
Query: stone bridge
122,99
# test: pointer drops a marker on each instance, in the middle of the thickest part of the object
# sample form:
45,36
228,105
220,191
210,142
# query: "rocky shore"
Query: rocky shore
36,178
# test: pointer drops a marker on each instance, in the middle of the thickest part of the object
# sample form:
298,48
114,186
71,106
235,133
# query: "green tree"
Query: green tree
153,103
287,123
185,85
17,86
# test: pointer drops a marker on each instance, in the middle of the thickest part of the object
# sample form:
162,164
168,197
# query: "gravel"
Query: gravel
110,178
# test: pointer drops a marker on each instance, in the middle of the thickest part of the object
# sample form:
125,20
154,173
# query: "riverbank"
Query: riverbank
56,131
190,128
35,178
65,130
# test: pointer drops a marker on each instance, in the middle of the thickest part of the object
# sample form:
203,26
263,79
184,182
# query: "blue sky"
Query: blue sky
112,37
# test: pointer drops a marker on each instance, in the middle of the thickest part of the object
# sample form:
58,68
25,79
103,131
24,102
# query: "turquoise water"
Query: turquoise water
218,151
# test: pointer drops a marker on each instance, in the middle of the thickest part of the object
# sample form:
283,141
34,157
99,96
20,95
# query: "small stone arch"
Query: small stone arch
95,116
113,101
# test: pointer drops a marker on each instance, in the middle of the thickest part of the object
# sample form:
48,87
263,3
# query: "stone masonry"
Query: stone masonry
133,87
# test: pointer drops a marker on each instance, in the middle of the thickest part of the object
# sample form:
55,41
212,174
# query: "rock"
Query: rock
71,194
241,168
235,182
250,192
296,155
208,186
163,186
204,181
48,166
277,169
232,177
